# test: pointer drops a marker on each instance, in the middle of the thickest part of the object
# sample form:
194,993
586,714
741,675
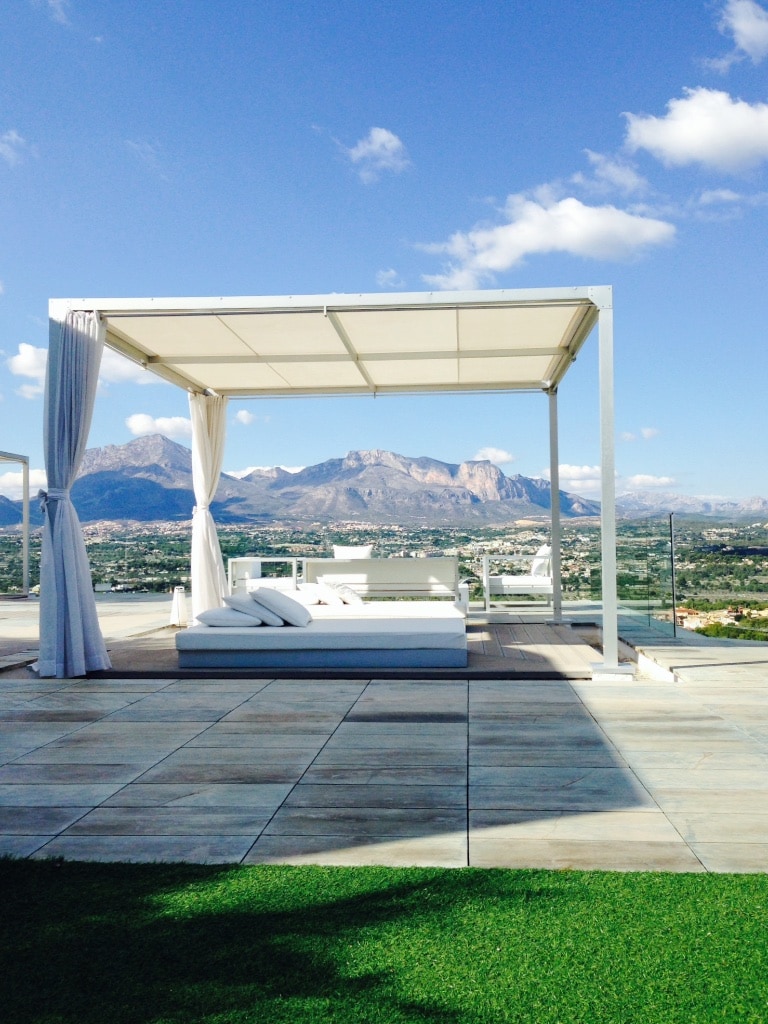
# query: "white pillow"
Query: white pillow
227,617
328,594
248,606
307,593
359,551
292,611
347,594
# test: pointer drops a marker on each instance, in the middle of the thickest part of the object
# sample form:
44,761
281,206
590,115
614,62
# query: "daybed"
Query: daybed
374,635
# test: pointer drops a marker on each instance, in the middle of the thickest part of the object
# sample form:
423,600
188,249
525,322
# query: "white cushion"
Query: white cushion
227,617
293,612
347,594
243,603
540,564
327,594
359,551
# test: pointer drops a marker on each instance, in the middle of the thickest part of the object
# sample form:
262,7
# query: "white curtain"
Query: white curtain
209,581
71,643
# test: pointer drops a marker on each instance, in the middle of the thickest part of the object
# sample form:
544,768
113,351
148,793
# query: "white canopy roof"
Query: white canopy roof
354,344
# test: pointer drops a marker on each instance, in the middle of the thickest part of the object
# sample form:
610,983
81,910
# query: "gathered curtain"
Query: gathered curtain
71,643
209,581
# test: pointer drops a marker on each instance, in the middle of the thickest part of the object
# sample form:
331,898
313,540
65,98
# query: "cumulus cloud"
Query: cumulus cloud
389,279
141,423
611,174
381,150
12,147
29,362
543,224
118,369
648,433
244,417
747,23
12,483
705,126
498,456
580,479
643,481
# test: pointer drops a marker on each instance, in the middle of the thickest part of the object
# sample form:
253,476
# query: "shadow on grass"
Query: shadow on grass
133,944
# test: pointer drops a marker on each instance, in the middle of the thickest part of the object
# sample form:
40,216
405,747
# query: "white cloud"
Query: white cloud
747,23
611,174
389,279
12,483
12,147
543,225
644,480
244,417
627,435
379,151
58,9
141,423
580,479
648,433
29,362
118,369
706,126
715,196
498,456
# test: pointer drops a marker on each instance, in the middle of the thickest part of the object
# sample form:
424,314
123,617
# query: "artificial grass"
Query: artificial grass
165,944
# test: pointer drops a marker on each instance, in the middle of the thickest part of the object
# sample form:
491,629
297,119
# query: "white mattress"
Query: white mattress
364,632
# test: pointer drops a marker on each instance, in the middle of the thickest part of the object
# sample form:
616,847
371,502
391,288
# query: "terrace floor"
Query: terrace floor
667,771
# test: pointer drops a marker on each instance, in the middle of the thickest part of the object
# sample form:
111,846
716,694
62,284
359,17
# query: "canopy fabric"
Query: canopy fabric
209,580
71,643
356,344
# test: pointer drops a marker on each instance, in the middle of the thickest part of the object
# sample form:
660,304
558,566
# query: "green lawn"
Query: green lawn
155,944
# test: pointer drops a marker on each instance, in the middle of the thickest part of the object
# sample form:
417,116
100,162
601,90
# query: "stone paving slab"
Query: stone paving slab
641,774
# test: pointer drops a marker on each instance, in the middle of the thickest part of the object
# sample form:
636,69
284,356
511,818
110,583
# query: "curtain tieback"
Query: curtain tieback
52,494
201,508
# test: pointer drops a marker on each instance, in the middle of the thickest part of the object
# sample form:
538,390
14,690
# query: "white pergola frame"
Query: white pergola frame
231,353
24,461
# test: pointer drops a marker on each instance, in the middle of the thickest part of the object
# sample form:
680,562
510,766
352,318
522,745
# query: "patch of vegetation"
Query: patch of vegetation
134,944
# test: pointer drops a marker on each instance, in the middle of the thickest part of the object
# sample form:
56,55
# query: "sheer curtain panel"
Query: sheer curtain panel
209,581
71,643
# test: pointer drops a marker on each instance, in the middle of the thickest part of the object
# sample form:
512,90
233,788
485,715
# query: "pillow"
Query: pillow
307,593
249,607
294,613
227,617
360,551
328,594
347,594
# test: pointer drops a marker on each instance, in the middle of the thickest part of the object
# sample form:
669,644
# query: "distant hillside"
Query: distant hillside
150,478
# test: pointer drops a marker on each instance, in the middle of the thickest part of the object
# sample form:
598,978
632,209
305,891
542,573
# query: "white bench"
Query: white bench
421,578
536,583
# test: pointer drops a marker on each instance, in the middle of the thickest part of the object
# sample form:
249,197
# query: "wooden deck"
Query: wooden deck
525,648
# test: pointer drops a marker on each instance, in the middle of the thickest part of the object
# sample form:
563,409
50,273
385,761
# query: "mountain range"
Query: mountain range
150,479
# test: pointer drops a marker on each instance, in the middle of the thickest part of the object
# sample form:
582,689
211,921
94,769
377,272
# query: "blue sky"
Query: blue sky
180,147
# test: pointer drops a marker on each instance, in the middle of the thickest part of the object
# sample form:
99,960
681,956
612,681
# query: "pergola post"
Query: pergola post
603,299
554,478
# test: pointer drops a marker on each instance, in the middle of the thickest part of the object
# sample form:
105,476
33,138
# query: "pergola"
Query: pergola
335,344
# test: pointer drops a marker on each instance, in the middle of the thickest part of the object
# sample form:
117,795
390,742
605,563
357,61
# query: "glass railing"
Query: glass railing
645,571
